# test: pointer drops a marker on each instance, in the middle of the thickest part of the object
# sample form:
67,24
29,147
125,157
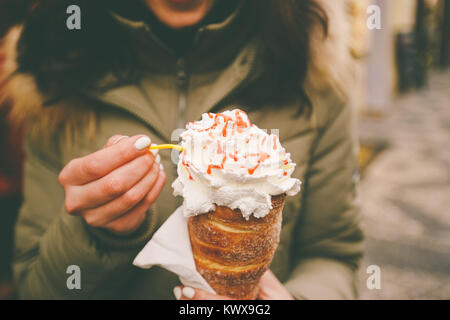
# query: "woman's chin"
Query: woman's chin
180,13
181,20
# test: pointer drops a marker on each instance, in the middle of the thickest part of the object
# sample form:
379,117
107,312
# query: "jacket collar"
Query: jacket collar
154,55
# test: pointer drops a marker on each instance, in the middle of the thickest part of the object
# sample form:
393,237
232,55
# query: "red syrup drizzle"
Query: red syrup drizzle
262,157
224,131
233,156
186,165
215,166
216,123
240,124
248,139
285,162
252,170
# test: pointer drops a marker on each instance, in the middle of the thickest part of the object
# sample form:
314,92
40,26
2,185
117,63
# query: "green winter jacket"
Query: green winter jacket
321,240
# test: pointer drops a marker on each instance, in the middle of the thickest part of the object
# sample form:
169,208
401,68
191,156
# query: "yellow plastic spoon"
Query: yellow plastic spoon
166,146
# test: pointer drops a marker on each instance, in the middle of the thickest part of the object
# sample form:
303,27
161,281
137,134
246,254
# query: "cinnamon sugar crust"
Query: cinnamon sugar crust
232,253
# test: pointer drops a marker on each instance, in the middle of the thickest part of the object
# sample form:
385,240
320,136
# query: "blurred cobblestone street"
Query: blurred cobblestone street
405,195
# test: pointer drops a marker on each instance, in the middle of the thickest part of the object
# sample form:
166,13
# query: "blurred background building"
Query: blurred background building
403,100
413,40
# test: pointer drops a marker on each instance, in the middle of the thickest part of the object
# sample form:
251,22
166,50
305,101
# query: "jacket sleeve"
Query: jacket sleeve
48,241
327,237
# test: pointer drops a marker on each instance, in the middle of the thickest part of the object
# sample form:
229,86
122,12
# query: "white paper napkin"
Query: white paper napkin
170,248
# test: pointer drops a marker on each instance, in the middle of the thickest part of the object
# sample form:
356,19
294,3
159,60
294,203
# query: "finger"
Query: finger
157,188
112,186
104,214
98,164
267,286
188,293
267,277
154,151
270,288
133,218
115,139
130,221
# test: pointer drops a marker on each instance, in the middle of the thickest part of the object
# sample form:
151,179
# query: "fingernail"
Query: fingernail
158,159
142,143
154,151
161,167
188,292
120,138
177,293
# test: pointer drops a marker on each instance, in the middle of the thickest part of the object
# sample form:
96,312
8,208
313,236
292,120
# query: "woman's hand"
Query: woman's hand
270,288
113,188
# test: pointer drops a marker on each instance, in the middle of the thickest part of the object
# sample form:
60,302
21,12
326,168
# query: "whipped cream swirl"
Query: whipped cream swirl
229,161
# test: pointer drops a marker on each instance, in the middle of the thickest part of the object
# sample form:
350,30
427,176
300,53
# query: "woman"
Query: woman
134,73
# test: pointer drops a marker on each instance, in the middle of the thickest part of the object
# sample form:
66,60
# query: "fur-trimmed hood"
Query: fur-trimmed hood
329,67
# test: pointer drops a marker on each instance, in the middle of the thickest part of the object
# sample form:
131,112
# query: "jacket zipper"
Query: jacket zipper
182,87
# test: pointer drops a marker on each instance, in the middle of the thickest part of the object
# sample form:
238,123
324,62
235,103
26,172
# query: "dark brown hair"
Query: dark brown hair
65,62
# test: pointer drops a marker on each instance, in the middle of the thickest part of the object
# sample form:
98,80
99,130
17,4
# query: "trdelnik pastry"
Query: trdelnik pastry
234,178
